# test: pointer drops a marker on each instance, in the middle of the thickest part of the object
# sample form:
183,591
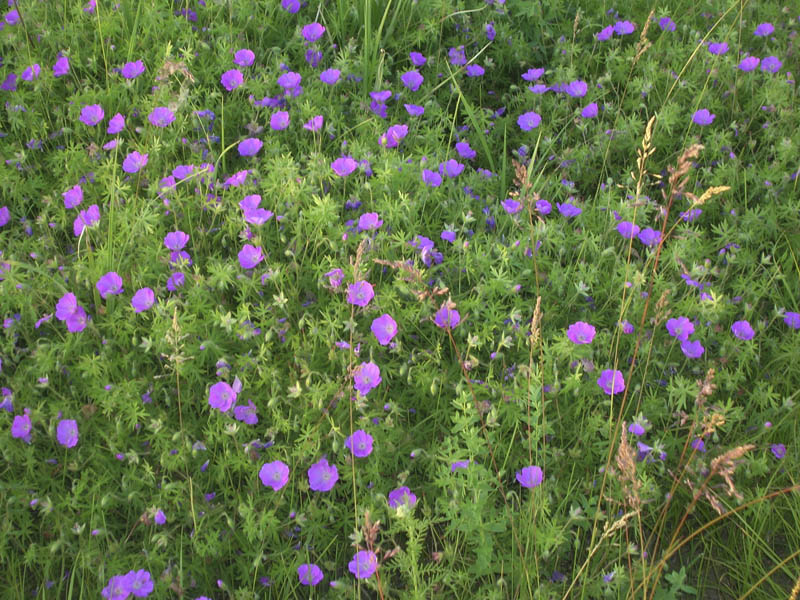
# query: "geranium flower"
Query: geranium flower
447,316
132,70
589,111
221,395
364,564
680,328
134,162
322,476
431,178
250,256
764,29
718,48
369,222
359,443
61,66
139,583
330,76
749,63
605,33
244,57
393,136
624,27
143,299
412,80
366,377
530,477
92,114
109,284
312,32
360,293
611,382
21,427
417,59
666,24
343,166
274,474
161,116
568,210
703,117
627,229
742,330
309,574
116,124
73,196
529,120
401,495
232,79
580,332
692,349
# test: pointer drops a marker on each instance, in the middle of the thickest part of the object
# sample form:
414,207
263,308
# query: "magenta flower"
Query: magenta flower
117,588
222,396
580,333
605,33
543,207
61,66
465,151
274,474
249,146
611,382
175,281
314,123
530,477
110,283
343,166
335,277
67,433
576,89
360,293
73,196
393,136
749,63
475,71
246,414
764,29
718,48
529,120
132,70
414,110
5,217
627,229
290,6
86,218
312,32
459,464
176,240
568,210
143,300
290,81
401,495
161,116
366,377
511,206
116,124
309,574
134,162
649,237
533,74
778,450
139,583
21,427
31,73
360,443
250,256
792,319
692,349
417,59
322,476
451,168
92,114
369,222
279,120
431,178
742,330
666,24
589,111
232,79
364,564
771,64
680,328
412,80
447,316
624,27
330,76
703,117
244,57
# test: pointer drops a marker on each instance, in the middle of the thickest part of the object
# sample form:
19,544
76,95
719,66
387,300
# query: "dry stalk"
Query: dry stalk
627,471
536,321
795,590
643,45
679,175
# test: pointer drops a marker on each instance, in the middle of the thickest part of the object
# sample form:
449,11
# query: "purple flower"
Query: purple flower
175,281
718,48
401,495
314,123
448,236
244,57
627,327
279,120
309,574
110,283
568,210
290,81
459,464
511,206
176,240
475,71
447,316
431,178
360,443
764,29
457,57
742,330
222,396
589,111
139,583
61,66
117,588
692,349
360,293
312,32
576,89
92,114
363,564
274,474
580,333
116,124
161,116
771,64
778,450
636,428
451,168
627,229
369,222
31,73
335,277
749,63
246,414
21,427
680,328
250,256
290,6
322,476
343,166
543,207
366,377
611,382
703,117
232,79
666,24
393,136
605,33
330,76
414,110
86,218
533,74
417,59
624,27
529,120
67,433
5,217
649,237
134,162
412,80
143,299
132,70
465,151
9,83
530,477
792,319
73,196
